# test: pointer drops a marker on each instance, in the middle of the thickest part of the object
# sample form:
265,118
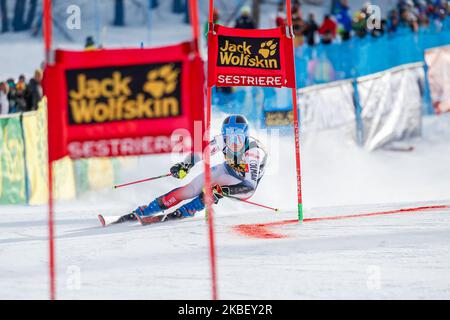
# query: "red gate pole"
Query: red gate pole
47,32
209,201
51,233
207,168
47,29
296,124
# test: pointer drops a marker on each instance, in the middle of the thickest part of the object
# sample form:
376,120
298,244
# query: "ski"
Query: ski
106,221
400,149
159,218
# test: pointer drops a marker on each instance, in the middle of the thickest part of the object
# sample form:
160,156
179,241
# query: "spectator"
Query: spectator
21,82
11,95
34,91
393,22
443,9
280,20
21,103
327,37
424,21
328,30
343,17
421,7
4,103
359,24
89,44
379,32
245,21
408,15
22,78
311,30
296,8
298,26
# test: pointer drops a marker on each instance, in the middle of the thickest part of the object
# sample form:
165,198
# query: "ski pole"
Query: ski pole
144,180
254,203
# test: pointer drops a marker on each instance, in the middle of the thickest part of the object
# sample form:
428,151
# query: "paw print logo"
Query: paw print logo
267,49
161,81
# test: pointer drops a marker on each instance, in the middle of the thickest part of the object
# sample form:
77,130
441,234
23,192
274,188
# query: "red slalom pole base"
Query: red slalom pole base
51,240
208,198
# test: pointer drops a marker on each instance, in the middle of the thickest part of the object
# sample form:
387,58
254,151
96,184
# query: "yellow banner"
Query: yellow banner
35,133
12,164
35,136
100,173
92,174
64,179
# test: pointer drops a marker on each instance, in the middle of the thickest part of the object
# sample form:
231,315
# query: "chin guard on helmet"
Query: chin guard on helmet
235,135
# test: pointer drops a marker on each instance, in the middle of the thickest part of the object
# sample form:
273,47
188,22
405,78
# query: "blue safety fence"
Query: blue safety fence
326,63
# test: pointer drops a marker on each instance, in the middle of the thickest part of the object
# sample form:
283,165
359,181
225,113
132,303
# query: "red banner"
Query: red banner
107,103
240,57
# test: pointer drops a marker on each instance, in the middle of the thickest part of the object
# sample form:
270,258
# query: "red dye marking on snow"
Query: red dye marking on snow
261,230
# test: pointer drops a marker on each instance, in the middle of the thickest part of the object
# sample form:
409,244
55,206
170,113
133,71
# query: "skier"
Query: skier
237,177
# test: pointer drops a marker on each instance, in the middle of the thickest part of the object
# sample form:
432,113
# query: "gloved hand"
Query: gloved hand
219,192
180,170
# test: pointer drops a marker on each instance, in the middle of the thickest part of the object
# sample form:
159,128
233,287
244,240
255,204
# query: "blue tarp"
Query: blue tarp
347,60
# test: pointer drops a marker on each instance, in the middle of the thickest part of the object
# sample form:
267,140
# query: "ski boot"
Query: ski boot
189,209
153,208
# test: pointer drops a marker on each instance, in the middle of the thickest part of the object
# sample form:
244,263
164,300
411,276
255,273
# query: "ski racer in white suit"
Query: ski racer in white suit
237,177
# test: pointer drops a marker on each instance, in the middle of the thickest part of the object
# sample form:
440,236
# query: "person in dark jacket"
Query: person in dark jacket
245,21
393,22
11,95
311,29
89,44
21,103
34,91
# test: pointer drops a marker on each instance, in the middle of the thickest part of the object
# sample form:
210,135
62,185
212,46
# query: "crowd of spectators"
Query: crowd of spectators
20,95
341,25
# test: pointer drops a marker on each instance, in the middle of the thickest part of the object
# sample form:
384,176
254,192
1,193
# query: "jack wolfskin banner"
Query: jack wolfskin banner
240,57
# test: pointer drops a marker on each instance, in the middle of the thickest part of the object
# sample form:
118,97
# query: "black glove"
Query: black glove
219,192
180,170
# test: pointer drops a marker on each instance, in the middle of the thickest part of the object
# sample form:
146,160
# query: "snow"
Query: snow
409,254
398,256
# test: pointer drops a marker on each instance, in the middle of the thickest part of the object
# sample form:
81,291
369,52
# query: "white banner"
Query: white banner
391,103
327,106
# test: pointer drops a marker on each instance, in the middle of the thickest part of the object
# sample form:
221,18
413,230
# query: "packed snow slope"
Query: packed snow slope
397,256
